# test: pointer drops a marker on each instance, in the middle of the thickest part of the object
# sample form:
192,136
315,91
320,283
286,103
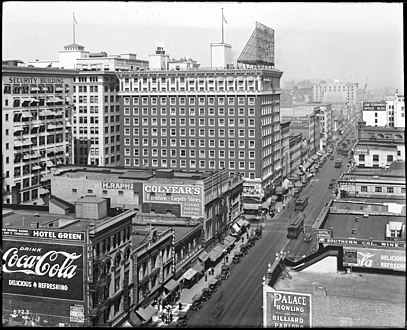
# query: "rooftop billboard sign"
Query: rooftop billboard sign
39,269
376,258
48,234
286,309
190,197
361,242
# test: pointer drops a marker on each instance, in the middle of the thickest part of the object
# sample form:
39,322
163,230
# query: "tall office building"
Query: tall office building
207,119
96,120
36,120
96,117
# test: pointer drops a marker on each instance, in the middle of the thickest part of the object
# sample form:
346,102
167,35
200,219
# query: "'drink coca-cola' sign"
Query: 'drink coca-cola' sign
43,269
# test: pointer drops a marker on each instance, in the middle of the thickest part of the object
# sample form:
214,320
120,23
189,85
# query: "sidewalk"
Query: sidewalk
187,294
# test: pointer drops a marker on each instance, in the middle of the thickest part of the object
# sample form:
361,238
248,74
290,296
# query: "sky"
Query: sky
352,42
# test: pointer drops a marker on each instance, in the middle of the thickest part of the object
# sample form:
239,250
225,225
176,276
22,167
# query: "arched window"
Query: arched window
127,253
106,266
117,259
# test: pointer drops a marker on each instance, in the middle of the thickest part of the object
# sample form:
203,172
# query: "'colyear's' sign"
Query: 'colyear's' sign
190,197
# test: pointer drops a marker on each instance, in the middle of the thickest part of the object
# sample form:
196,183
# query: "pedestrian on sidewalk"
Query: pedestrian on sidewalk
179,305
206,277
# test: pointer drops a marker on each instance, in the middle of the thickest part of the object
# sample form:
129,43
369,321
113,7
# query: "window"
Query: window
390,190
389,158
378,189
361,158
363,188
375,158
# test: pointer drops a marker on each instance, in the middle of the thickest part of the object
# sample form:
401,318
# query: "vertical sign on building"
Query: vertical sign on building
135,279
286,309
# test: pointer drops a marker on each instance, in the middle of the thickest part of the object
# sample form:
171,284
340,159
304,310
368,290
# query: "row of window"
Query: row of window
202,132
154,121
114,241
376,158
34,88
389,190
241,154
191,142
192,164
203,112
201,100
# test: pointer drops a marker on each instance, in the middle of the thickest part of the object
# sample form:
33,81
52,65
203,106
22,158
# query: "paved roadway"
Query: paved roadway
238,302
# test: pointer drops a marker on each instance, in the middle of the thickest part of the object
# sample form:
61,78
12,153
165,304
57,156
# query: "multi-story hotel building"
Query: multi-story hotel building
336,92
203,120
36,120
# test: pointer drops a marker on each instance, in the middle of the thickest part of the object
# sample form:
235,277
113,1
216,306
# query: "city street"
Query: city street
238,302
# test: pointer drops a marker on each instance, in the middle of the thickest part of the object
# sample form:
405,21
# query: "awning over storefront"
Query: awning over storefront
203,256
279,190
229,240
314,158
199,268
190,273
293,178
274,197
297,184
236,228
215,254
319,153
50,163
250,206
146,313
171,285
307,164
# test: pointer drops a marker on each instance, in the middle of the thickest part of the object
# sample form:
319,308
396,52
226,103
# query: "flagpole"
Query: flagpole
222,25
73,24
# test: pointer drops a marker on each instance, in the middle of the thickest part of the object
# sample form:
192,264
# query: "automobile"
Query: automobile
206,294
244,248
182,319
332,157
225,272
196,302
237,256
213,284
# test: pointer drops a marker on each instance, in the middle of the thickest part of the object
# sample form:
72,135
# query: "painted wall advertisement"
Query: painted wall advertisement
42,269
190,197
287,310
376,258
